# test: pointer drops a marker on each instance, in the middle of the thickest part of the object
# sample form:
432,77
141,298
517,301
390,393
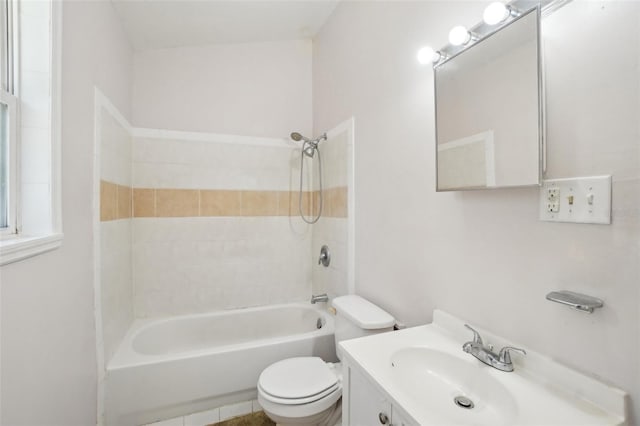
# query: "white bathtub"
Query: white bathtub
175,366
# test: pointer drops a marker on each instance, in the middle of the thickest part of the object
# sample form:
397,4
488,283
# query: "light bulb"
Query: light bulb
495,13
459,36
426,55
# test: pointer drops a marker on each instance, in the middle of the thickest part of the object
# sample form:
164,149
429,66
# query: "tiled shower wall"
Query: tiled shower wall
332,227
116,284
194,222
213,227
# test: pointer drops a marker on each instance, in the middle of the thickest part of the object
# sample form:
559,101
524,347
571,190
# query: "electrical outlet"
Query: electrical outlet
553,199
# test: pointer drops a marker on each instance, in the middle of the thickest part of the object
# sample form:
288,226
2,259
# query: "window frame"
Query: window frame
35,238
9,61
11,103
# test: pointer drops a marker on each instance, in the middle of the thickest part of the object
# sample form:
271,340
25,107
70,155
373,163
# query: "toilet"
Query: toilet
308,390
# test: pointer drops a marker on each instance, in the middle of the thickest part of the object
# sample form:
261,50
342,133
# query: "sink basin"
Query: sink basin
432,379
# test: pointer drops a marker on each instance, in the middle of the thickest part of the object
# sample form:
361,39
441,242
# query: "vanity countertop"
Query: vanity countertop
421,369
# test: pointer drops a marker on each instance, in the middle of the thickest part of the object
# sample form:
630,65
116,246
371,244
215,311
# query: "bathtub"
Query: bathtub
175,366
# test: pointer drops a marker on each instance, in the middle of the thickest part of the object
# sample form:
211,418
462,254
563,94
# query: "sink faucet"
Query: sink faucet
501,360
319,298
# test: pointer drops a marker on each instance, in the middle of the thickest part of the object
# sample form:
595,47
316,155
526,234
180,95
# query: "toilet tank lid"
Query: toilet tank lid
363,313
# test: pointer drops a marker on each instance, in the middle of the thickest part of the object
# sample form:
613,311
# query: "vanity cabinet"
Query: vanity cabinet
365,405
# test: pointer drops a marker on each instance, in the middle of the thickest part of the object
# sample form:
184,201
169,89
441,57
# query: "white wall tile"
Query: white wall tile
203,418
116,282
167,163
177,421
115,152
334,161
235,410
116,271
186,265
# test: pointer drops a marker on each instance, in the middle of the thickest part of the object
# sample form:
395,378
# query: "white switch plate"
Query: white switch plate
579,191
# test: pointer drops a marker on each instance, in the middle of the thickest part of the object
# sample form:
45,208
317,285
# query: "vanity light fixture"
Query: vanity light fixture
459,36
426,55
498,12
497,15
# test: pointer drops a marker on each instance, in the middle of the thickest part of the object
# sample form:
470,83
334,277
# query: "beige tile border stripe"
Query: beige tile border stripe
119,202
115,201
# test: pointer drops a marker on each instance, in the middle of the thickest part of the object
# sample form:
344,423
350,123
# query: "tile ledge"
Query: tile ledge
24,247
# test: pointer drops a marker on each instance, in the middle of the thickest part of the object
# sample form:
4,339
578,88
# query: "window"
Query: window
30,221
8,122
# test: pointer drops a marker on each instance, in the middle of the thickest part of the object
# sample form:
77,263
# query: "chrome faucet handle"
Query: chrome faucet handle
325,256
505,354
476,336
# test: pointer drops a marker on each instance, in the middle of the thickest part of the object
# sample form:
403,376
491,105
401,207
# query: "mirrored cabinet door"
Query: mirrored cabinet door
489,111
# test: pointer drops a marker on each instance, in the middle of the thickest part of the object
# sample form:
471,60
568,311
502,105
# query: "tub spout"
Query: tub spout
319,298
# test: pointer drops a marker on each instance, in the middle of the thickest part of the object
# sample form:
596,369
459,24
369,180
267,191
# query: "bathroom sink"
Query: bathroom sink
430,380
457,390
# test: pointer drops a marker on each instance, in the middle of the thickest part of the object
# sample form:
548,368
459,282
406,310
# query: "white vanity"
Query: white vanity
421,376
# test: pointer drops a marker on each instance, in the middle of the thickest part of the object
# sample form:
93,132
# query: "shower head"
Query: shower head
298,137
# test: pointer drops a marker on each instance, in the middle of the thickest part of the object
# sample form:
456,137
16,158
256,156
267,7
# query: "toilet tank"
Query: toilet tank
357,317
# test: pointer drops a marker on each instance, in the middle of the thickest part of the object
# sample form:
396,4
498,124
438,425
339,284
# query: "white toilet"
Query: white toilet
307,390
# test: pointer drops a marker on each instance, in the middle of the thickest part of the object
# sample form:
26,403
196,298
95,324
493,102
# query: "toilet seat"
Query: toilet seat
298,380
297,401
299,387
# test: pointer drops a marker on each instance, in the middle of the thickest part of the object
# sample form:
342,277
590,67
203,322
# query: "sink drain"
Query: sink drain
464,402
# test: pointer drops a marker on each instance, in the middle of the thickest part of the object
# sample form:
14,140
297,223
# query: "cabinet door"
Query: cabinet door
398,418
367,407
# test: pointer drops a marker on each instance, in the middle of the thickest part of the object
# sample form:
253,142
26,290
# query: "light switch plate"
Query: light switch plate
580,200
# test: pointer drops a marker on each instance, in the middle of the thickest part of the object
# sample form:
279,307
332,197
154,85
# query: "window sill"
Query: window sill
23,247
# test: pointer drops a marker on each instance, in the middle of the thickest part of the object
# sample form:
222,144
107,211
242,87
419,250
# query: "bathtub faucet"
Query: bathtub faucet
319,298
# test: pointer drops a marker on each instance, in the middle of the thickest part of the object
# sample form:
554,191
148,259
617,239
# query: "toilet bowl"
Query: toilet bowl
306,390
301,391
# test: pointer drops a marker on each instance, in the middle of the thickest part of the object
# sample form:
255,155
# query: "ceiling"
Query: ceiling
157,24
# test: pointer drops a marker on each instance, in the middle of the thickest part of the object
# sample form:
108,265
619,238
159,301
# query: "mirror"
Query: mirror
489,111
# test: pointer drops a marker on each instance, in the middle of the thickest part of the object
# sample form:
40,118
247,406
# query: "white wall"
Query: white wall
485,256
48,330
257,89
